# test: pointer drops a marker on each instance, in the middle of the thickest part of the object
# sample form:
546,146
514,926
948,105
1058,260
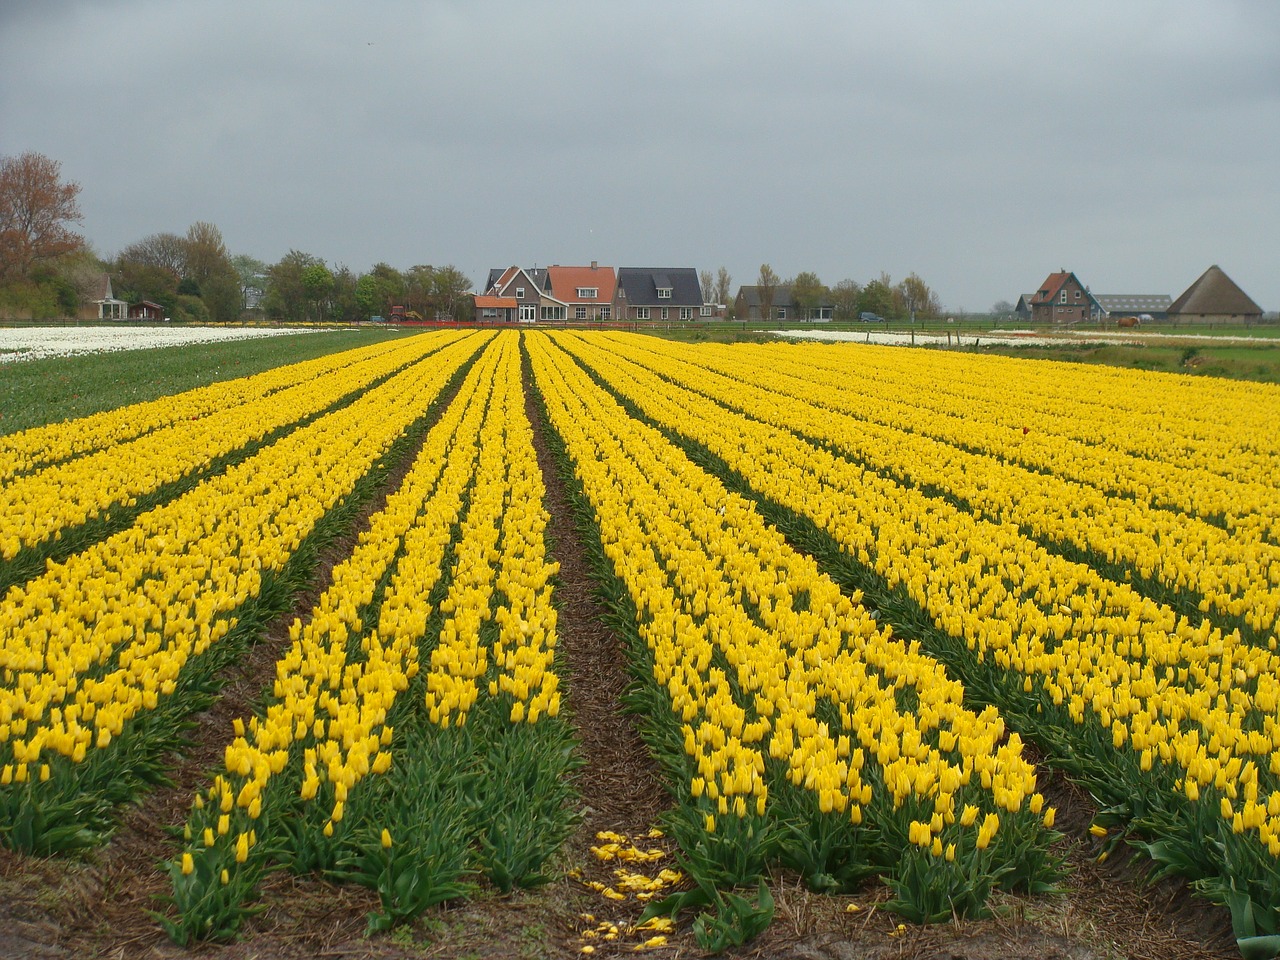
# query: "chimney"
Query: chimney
595,264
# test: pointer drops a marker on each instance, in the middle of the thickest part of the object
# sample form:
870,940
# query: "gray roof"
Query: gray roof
537,274
641,286
1133,302
751,295
1215,294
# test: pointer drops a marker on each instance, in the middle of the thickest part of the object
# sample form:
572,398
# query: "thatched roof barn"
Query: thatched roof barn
1214,298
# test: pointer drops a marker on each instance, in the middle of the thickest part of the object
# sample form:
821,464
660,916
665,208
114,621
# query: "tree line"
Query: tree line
48,271
848,299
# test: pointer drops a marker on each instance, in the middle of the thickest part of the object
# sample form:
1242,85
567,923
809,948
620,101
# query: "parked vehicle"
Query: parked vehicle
867,316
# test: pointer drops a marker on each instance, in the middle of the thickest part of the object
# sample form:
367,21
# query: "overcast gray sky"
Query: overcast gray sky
982,144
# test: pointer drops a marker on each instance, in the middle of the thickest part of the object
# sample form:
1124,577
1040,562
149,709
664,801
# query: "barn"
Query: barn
1214,298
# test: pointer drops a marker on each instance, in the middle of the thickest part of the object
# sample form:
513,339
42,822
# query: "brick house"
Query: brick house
746,306
1062,298
586,292
658,293
529,291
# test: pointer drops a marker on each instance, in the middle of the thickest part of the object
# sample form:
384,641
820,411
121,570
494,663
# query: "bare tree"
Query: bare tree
845,297
767,284
167,251
206,253
35,208
917,298
724,286
708,286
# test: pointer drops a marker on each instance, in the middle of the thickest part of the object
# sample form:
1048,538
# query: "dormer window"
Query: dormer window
588,293
664,293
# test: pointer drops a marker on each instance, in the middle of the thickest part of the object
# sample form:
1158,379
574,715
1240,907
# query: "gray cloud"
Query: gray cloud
981,145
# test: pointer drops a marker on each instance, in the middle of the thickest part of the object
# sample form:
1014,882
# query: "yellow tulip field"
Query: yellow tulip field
862,593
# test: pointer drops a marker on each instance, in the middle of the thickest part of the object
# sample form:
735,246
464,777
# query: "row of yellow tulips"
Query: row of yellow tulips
1186,712
1236,576
105,637
328,725
1199,446
28,450
41,504
774,678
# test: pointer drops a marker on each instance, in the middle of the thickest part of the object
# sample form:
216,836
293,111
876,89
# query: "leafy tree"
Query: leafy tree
844,297
133,280
223,297
367,295
317,282
767,283
808,293
35,208
419,288
253,279
188,287
450,290
390,286
286,296
877,297
344,307
1001,308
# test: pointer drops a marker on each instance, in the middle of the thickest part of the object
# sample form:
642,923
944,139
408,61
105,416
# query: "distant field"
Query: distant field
37,392
1257,363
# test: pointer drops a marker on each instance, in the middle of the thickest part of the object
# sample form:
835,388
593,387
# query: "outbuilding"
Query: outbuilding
1215,298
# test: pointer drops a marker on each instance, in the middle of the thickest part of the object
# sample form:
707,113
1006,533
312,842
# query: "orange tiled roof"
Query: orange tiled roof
1049,289
566,281
498,303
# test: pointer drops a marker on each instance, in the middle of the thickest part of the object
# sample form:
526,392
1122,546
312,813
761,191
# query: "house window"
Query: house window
489,313
1063,297
519,293
642,313
782,313
686,313
664,293
604,313
705,310
666,313
1077,294
528,311
553,313
580,313
588,293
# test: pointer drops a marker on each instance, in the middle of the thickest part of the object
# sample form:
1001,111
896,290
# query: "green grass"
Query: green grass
38,392
1260,363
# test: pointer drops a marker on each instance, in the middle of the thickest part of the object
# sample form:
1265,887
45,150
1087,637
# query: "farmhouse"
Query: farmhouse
747,306
1062,298
529,291
1215,298
658,293
587,292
